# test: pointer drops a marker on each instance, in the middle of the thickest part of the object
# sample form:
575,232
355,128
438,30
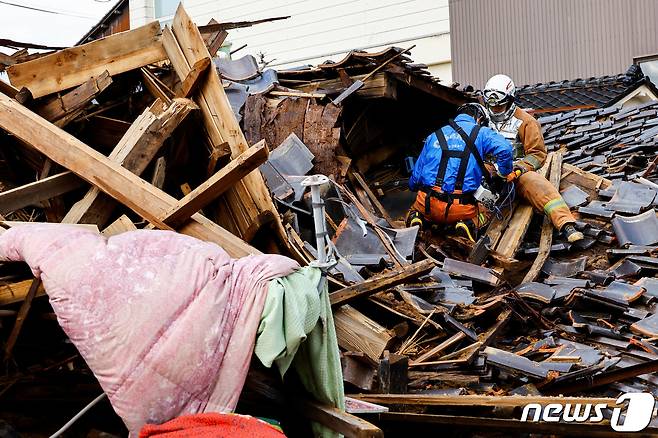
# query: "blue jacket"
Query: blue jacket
488,142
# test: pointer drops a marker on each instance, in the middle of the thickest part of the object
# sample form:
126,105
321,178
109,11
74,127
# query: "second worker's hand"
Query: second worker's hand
515,174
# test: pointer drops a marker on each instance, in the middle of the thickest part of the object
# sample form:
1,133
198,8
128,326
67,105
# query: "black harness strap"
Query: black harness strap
464,157
446,154
470,144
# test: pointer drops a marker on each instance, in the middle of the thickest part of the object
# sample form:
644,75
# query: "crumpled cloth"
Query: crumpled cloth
166,322
297,328
212,425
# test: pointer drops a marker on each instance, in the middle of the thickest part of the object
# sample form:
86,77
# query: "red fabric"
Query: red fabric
212,425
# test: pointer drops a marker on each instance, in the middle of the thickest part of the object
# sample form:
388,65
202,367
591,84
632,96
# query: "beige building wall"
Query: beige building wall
319,30
549,40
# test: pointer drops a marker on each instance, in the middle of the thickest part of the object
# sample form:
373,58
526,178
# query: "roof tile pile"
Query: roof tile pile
594,92
611,142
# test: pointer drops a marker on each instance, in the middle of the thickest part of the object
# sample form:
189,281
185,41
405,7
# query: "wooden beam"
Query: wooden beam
62,109
110,177
214,40
348,425
424,423
68,68
250,200
381,282
38,191
16,292
219,183
508,401
8,89
194,78
135,151
447,94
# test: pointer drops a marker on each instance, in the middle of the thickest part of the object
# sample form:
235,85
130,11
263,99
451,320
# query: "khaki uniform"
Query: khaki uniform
524,131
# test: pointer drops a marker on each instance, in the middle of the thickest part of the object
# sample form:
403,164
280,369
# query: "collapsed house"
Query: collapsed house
144,130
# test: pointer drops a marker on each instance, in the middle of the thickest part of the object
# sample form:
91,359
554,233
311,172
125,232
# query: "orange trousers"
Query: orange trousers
457,212
541,194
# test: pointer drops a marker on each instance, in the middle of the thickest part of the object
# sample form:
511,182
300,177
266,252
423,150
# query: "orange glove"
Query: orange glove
514,175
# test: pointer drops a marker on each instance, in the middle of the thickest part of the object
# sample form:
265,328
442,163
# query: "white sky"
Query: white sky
36,27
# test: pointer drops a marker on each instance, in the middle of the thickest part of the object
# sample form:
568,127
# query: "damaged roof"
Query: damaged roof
357,63
594,92
599,137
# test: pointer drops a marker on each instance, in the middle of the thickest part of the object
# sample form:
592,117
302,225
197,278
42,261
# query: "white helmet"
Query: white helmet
500,91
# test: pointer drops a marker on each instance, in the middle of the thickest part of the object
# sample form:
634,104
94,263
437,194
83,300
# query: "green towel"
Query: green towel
297,328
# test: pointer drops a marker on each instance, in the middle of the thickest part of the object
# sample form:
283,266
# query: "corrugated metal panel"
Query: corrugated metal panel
549,40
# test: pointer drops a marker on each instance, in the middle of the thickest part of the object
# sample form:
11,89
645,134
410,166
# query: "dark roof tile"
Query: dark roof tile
594,92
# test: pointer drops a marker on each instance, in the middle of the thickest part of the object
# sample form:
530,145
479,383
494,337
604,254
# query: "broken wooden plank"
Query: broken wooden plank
585,180
38,191
357,332
62,109
451,341
358,370
587,382
135,151
109,176
158,177
68,68
119,226
194,78
375,201
219,183
381,282
392,373
518,225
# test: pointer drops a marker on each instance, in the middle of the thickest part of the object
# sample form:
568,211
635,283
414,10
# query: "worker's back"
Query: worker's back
428,171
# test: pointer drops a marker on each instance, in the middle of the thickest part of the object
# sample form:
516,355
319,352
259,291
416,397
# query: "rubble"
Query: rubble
141,130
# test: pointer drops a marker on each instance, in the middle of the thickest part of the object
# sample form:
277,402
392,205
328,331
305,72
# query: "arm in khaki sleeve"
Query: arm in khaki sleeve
533,145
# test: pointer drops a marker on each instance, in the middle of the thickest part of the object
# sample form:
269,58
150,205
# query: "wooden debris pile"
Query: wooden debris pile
142,130
131,131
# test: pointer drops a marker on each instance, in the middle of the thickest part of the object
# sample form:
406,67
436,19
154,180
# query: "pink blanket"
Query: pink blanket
166,322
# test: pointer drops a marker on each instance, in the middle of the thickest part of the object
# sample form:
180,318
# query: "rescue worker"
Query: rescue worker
450,169
524,132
